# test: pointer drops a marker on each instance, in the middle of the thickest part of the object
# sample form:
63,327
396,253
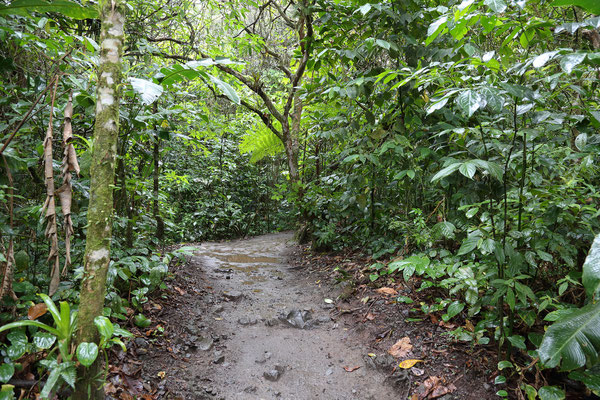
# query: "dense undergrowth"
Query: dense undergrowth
455,142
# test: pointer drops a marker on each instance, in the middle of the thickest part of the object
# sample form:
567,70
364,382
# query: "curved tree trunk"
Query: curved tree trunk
100,212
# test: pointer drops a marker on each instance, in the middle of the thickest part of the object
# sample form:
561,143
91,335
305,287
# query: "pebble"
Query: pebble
247,321
233,295
219,360
265,357
205,343
274,374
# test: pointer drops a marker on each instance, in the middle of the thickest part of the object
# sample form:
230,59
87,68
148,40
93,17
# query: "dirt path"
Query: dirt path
251,326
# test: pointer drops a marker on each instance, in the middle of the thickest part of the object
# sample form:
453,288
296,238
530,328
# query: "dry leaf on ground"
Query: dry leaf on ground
387,290
435,387
401,348
351,369
408,363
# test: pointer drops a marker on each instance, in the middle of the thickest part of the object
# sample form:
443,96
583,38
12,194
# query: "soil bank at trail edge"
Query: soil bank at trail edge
250,326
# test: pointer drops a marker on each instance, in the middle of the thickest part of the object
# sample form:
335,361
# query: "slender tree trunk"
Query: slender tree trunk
100,212
160,225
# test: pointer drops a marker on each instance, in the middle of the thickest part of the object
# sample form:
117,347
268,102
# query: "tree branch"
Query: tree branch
305,45
265,119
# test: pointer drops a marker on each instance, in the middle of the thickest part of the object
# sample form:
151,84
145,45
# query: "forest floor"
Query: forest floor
262,318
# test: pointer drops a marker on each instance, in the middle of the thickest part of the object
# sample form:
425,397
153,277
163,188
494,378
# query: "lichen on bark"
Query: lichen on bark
100,211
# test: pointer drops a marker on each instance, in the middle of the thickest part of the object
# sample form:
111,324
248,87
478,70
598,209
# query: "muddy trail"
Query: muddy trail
245,323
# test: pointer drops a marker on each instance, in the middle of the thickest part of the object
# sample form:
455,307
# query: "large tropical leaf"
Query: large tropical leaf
148,91
591,270
65,7
575,339
592,6
191,70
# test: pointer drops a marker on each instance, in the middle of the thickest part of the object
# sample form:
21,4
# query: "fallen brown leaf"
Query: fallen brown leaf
370,316
37,311
447,325
401,348
387,290
435,387
125,396
180,290
351,369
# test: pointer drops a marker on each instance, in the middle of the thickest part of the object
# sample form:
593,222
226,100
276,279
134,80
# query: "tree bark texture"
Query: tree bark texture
100,212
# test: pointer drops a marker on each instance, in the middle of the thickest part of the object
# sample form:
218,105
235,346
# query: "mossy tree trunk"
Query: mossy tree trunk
100,212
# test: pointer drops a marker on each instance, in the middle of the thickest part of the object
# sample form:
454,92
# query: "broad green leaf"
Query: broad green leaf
573,339
543,58
471,212
487,246
141,321
570,61
469,101
454,308
591,270
581,141
6,372
510,298
435,29
17,337
497,6
148,91
67,8
518,341
592,381
105,327
468,169
438,105
364,9
592,6
446,229
494,101
551,393
446,171
469,244
383,44
505,364
87,353
16,350
226,89
44,340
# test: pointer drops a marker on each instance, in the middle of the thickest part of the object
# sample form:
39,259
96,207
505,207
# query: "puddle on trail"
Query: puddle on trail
255,279
246,259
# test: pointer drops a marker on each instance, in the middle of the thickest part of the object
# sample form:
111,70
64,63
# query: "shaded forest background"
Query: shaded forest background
455,142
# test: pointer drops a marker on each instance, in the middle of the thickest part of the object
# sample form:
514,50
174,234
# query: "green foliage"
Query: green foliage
65,7
260,142
574,340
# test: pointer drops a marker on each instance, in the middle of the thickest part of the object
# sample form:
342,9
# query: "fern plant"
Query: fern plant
260,142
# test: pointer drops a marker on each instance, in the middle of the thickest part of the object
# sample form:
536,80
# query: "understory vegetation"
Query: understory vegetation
456,142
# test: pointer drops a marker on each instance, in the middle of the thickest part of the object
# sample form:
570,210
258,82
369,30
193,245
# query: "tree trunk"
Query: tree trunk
100,212
160,225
